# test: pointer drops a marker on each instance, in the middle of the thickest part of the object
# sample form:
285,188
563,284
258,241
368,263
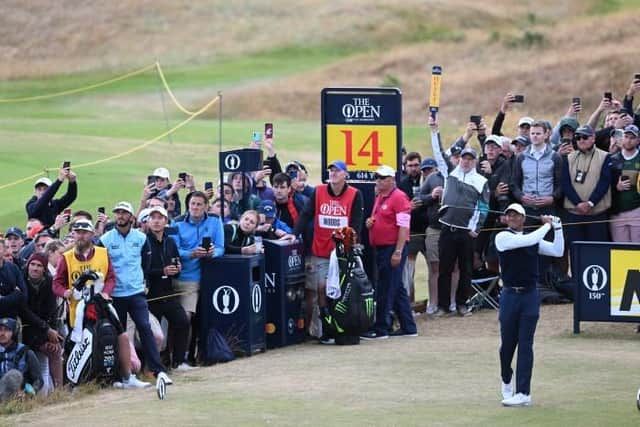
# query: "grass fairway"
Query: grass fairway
447,376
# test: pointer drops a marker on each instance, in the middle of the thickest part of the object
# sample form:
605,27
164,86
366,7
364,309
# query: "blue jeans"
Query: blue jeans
391,294
519,313
136,305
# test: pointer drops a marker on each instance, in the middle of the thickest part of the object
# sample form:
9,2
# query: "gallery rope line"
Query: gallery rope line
170,92
124,153
177,294
79,89
564,224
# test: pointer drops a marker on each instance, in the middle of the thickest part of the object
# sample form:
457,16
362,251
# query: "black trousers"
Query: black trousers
171,310
455,244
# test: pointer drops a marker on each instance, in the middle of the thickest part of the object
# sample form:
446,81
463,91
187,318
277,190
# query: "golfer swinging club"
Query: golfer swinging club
519,302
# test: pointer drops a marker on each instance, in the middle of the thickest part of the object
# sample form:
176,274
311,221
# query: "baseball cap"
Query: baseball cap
525,121
338,164
522,140
9,323
516,207
14,231
82,224
455,150
585,130
162,173
632,129
267,208
293,166
159,209
428,163
143,216
496,139
385,171
469,151
43,181
124,206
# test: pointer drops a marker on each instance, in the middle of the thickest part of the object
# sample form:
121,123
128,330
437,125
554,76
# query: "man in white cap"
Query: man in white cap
388,234
43,206
86,256
124,245
519,301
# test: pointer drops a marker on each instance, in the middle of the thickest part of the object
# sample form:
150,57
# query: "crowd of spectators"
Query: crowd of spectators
586,173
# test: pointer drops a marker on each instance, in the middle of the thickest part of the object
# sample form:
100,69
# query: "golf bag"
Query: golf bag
353,311
95,355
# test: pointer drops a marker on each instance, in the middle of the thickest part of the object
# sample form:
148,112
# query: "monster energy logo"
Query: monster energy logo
341,307
368,304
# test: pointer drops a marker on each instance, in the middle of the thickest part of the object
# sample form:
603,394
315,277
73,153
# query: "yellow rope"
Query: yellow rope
124,153
170,92
77,90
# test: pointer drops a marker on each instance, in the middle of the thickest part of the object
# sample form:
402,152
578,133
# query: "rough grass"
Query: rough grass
447,376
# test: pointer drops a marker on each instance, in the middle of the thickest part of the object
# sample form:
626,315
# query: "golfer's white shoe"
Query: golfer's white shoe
507,390
518,399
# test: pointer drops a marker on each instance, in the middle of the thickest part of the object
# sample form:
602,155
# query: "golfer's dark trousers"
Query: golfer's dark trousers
391,294
171,310
454,244
136,305
519,312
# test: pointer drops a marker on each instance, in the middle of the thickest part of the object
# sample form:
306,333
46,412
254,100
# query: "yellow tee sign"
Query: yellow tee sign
625,283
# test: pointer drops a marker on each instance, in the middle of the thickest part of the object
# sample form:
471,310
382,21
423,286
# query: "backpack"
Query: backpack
217,349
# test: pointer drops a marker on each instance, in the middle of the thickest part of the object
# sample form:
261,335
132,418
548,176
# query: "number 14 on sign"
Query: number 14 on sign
363,147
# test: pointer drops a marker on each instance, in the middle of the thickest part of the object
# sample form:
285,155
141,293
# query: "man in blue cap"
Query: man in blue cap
331,206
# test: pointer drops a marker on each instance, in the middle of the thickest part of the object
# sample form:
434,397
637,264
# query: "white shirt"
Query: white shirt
506,240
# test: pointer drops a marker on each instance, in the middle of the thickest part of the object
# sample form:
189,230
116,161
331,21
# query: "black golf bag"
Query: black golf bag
95,356
353,312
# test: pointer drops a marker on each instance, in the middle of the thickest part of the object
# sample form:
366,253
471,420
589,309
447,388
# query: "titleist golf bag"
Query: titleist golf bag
353,310
94,353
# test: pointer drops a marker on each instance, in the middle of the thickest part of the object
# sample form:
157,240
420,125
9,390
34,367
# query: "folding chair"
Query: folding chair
483,284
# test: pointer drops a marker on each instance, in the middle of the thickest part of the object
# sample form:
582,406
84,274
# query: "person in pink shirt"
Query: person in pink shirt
388,234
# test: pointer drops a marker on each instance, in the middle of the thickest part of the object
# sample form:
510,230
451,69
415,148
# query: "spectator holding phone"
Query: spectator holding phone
625,169
194,232
42,205
161,266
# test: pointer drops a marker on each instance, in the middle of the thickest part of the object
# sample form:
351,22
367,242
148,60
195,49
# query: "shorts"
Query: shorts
432,243
416,244
189,301
316,270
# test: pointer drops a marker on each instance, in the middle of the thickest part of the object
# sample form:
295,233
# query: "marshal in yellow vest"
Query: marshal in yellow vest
99,263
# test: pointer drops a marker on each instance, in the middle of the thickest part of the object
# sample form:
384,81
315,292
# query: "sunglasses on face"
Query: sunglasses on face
579,137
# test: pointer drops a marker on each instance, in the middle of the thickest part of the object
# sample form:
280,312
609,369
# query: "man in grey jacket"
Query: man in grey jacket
465,202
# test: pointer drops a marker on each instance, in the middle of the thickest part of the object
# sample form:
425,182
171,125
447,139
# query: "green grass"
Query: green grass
220,74
603,7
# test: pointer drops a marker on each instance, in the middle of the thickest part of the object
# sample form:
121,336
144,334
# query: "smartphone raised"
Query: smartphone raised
624,178
208,185
518,98
206,242
636,76
67,212
151,179
476,120
256,137
182,176
101,209
66,164
268,130
576,100
608,95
